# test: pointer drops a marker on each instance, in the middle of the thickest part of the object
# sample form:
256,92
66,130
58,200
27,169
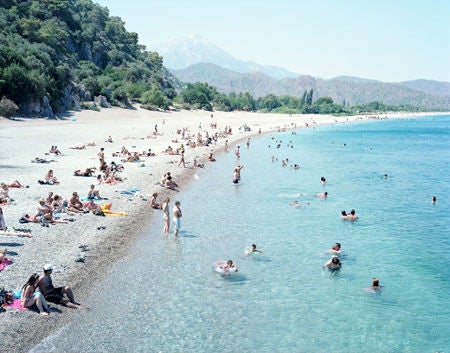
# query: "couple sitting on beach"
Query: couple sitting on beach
30,296
168,182
49,179
55,150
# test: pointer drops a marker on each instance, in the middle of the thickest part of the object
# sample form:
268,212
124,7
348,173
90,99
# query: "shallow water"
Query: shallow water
166,296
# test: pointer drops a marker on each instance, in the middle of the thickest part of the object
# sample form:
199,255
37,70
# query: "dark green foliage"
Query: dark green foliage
155,98
199,94
46,45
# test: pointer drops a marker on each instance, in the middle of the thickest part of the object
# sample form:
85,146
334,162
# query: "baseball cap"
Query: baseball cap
48,267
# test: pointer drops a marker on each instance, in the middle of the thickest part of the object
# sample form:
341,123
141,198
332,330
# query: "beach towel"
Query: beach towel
5,263
88,199
112,213
131,191
16,304
106,208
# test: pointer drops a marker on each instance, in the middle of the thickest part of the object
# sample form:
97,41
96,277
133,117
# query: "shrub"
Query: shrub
7,107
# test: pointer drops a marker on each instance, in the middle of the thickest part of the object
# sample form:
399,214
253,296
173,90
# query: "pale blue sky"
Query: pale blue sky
388,40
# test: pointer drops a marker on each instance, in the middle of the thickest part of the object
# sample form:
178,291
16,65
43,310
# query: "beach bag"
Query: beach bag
99,212
23,219
6,297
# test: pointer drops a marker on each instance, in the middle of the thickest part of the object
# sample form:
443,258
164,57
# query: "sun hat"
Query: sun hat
48,267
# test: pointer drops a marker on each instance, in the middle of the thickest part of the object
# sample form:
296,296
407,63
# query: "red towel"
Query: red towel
5,263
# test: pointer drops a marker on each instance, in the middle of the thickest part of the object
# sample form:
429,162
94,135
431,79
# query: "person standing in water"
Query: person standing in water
176,211
237,174
165,209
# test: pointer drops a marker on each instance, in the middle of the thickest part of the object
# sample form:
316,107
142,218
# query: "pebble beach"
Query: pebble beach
107,238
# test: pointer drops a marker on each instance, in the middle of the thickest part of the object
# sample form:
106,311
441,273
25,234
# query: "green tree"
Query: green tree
155,97
309,97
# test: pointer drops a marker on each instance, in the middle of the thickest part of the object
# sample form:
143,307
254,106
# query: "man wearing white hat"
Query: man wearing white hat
55,295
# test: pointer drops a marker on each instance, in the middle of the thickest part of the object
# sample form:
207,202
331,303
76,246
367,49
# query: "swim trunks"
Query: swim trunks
177,223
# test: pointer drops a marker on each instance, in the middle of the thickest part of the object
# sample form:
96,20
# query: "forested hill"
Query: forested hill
58,54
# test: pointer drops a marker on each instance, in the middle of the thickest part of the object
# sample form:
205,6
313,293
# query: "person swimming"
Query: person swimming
375,287
335,249
352,215
230,266
252,250
333,264
225,267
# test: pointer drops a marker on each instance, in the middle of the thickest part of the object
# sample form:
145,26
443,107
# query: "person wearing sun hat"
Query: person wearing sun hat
59,295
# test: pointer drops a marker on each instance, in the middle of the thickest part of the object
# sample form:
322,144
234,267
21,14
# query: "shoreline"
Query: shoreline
113,243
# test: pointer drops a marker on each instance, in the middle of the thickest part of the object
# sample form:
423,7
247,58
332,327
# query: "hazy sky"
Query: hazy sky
388,40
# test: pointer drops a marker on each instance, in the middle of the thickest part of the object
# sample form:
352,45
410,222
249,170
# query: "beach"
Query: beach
25,139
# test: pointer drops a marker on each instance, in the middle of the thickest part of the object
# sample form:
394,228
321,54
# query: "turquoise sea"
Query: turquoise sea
166,297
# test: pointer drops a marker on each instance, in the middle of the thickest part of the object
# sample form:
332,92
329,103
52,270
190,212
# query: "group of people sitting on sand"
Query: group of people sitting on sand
54,209
168,182
130,156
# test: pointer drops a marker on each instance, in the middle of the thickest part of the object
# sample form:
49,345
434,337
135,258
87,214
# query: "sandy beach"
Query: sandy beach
25,139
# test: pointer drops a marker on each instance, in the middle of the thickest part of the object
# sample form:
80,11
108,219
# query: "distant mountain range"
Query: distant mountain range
183,52
193,59
352,91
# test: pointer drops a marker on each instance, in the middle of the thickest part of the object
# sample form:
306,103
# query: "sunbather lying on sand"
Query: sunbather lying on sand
42,160
82,147
87,172
15,184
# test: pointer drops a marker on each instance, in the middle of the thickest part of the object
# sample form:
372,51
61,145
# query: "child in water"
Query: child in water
252,250
375,287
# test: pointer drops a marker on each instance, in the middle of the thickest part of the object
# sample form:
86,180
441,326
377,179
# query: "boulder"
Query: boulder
102,102
70,98
46,109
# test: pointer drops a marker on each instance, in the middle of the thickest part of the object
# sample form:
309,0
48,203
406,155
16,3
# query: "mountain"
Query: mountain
184,52
437,88
353,79
353,91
